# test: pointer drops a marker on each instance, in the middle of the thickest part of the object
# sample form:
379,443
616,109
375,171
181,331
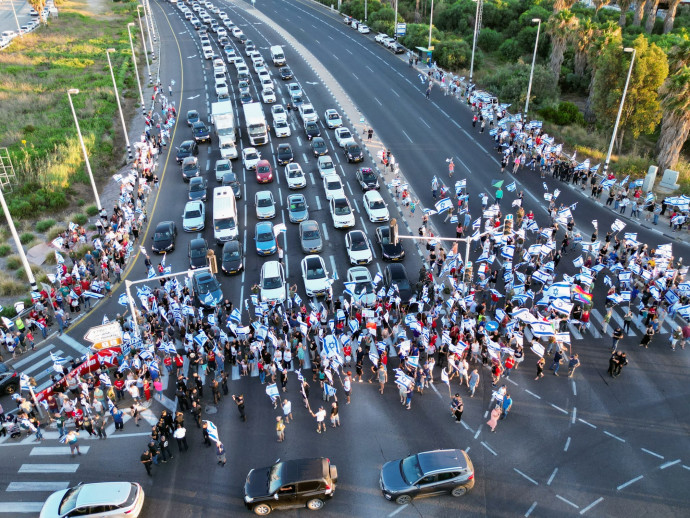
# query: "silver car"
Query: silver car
265,205
310,237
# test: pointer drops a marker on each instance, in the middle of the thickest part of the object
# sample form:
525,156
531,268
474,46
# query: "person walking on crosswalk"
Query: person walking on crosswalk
647,338
617,336
72,438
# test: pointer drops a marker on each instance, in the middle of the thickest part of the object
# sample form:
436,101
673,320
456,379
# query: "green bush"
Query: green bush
489,40
91,210
26,238
81,202
55,232
5,250
564,114
510,50
453,55
80,219
13,262
45,225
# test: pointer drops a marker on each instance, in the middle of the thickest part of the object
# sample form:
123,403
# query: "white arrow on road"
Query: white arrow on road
311,83
194,97
190,57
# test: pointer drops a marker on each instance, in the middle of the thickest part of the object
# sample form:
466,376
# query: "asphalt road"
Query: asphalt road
591,445
7,19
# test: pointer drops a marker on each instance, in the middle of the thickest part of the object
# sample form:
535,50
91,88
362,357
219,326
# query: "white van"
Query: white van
225,225
277,55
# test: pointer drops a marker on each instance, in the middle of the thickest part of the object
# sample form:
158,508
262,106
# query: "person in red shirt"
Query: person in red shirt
119,385
509,365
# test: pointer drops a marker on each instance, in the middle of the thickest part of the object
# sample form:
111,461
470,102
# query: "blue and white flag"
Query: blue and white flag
413,361
477,223
272,390
511,187
212,430
200,338
212,319
443,205
330,391
541,329
122,300
236,315
57,358
578,262
562,306
168,347
152,273
153,368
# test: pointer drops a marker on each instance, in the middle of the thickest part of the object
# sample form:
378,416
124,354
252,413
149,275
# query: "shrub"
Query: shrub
5,250
9,288
510,49
55,232
50,259
564,114
13,262
26,238
45,225
79,219
91,210
453,55
489,40
81,202
21,273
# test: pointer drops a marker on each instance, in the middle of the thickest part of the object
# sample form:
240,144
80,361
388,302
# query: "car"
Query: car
197,189
363,29
398,49
249,47
265,240
295,176
232,259
315,276
206,289
427,473
282,128
246,98
308,113
268,96
192,117
265,205
201,133
297,208
240,64
230,180
284,154
198,248
355,24
353,153
222,31
237,32
164,237
250,157
358,248
310,237
219,65
278,112
390,43
264,172
375,207
100,499
242,38
190,168
294,89
311,129
186,149
395,275
390,251
296,100
318,146
230,54
367,179
325,166
33,12
363,292
348,20
386,40
222,166
341,212
344,137
9,380
285,73
272,283
289,484
333,186
207,50
332,118
194,216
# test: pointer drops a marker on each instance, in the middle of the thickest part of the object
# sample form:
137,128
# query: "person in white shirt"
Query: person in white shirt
287,410
320,417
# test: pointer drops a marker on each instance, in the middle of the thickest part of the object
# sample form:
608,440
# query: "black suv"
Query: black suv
201,133
289,484
187,148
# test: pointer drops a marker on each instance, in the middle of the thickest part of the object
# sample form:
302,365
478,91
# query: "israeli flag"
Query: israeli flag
443,205
507,251
122,300
562,306
58,258
617,226
153,369
541,329
57,358
578,262
349,289
649,198
200,338
152,273
212,430
212,319
235,316
272,391
607,184
413,361
330,391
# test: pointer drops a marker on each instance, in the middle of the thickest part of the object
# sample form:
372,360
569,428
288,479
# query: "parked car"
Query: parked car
395,276
315,276
201,133
389,251
192,117
332,119
295,176
264,172
265,205
367,179
363,290
265,240
353,153
198,248
194,216
358,248
222,166
318,146
342,213
272,283
190,168
375,207
186,149
325,166
284,154
197,189
297,208
230,180
250,157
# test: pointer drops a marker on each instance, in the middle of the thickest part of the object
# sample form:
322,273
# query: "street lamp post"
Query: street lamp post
143,42
136,68
147,6
620,109
474,37
531,74
19,29
17,241
431,23
70,92
365,10
117,97
395,24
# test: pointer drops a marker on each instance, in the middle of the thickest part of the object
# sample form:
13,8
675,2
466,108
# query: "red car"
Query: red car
264,172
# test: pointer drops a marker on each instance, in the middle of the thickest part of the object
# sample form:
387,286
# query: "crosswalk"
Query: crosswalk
637,327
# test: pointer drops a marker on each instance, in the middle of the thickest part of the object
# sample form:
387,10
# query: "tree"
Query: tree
560,27
639,12
670,15
624,5
650,13
586,32
675,103
562,5
598,4
605,34
39,6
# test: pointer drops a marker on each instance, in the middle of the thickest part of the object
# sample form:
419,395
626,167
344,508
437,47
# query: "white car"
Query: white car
358,247
332,118
237,32
315,276
265,205
221,31
208,52
223,15
376,208
239,62
242,69
250,157
308,113
194,216
325,166
230,54
268,96
343,137
219,65
294,89
341,212
89,501
363,28
282,128
333,186
278,112
272,282
363,289
295,176
266,82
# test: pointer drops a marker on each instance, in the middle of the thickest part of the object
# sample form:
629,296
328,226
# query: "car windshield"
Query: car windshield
224,224
410,470
263,169
310,234
377,204
230,255
358,243
196,187
222,167
385,238
342,209
333,116
265,202
264,237
281,124
69,501
368,175
403,284
319,144
272,283
295,173
345,134
185,147
198,252
296,205
252,156
335,185
326,165
194,213
160,236
191,166
207,286
316,272
354,150
364,286
274,481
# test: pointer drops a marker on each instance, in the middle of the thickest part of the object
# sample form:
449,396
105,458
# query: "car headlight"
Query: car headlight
248,499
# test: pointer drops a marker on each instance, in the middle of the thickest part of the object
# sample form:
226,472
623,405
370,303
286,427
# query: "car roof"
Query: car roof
203,276
193,204
358,272
264,226
309,224
164,225
270,268
441,460
197,179
303,469
233,244
263,163
373,195
357,234
198,242
103,493
396,270
187,143
299,197
313,261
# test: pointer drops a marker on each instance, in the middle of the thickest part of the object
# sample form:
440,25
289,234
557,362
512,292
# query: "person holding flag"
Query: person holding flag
320,416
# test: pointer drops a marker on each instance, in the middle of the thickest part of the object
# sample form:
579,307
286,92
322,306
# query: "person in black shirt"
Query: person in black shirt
147,460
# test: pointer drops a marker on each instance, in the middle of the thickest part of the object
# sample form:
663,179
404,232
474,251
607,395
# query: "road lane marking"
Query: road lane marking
598,500
533,394
559,409
669,464
614,436
572,421
552,476
325,231
567,501
531,508
588,424
629,482
402,507
318,202
525,476
652,453
48,468
408,137
37,486
334,272
489,448
567,444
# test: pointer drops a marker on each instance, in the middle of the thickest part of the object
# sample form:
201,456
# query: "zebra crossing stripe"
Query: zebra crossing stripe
18,366
21,507
49,468
55,450
37,486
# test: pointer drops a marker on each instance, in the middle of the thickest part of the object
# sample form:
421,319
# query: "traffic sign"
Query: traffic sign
104,333
401,29
108,343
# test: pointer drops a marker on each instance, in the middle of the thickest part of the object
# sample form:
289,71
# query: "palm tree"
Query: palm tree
639,12
650,13
417,15
605,33
675,102
561,27
625,6
586,33
670,15
561,5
